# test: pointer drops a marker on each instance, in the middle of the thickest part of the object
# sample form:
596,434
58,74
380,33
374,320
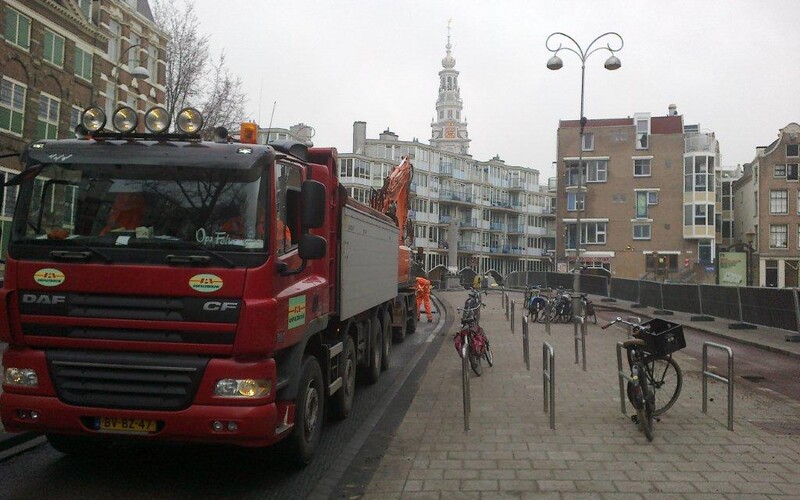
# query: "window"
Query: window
18,29
643,200
83,64
74,117
588,142
727,229
698,215
86,8
641,167
133,54
792,150
287,197
698,174
12,106
597,170
779,201
152,62
53,48
791,171
779,171
574,202
642,131
113,41
778,236
47,123
594,233
641,231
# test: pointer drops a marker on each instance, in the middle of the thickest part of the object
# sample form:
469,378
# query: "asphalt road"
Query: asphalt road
195,471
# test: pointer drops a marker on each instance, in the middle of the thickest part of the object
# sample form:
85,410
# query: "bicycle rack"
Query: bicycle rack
512,316
580,338
547,291
526,348
506,307
728,381
549,382
622,378
465,386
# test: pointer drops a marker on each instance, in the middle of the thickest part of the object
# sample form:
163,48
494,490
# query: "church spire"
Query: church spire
449,131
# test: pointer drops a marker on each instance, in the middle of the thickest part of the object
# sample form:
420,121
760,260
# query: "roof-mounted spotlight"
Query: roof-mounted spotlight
157,120
125,119
189,121
221,134
93,119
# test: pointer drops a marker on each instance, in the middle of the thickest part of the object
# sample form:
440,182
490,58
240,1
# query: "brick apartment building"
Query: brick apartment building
647,197
58,57
766,208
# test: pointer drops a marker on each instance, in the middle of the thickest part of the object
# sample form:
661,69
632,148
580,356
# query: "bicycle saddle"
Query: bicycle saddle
633,342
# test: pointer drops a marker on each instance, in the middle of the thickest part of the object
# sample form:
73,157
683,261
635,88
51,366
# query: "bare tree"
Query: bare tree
187,53
224,99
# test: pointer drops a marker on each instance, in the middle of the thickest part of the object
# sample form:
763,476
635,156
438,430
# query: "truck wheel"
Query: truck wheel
386,336
399,332
308,413
412,324
375,351
77,445
342,400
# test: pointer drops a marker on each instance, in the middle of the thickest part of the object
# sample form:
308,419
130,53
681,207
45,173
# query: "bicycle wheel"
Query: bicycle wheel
488,355
475,363
645,413
666,379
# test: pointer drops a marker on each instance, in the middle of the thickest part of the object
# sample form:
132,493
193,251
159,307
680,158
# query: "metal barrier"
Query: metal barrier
549,382
728,381
580,338
526,348
623,376
512,317
465,385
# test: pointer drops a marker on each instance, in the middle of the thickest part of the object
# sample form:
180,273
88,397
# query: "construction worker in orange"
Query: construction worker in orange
424,295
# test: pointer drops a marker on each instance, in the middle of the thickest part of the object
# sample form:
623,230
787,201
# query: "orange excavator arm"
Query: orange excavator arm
393,198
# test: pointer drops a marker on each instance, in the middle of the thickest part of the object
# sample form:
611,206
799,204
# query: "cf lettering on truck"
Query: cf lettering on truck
163,287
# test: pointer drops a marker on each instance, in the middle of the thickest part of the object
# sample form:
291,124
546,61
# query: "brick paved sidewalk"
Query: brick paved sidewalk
595,451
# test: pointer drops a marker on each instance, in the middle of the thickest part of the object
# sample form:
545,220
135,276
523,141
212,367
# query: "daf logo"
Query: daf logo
50,300
220,306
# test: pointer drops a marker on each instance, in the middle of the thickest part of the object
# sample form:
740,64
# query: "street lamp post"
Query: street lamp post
555,63
137,72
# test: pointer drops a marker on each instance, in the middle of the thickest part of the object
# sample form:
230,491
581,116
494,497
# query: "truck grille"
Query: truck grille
136,381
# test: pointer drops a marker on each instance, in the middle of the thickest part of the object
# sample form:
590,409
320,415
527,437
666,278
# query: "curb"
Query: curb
9,440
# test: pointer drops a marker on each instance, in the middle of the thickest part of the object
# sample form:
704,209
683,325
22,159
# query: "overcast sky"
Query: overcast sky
731,66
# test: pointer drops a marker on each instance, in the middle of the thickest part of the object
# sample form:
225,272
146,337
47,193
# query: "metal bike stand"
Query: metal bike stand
507,307
526,348
580,338
549,382
728,381
465,385
622,378
512,316
547,311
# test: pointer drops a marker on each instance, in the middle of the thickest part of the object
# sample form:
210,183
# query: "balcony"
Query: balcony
552,184
455,196
445,219
446,169
700,142
469,224
516,228
516,184
497,226
468,247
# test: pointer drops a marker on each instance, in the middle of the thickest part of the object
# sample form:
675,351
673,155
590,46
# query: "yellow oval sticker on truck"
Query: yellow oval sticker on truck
205,283
48,277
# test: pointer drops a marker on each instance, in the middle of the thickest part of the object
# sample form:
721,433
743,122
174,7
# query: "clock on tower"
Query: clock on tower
450,133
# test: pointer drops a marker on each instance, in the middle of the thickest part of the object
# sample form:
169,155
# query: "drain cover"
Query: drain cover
753,378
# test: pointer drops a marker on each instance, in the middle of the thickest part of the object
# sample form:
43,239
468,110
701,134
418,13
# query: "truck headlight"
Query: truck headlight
23,377
242,388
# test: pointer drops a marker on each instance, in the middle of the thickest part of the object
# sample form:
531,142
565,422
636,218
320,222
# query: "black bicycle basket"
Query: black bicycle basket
663,337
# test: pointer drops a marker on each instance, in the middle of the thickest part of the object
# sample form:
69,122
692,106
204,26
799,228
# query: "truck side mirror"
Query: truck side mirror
312,247
312,195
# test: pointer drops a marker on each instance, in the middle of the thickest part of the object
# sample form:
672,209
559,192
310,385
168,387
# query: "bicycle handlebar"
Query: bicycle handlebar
629,323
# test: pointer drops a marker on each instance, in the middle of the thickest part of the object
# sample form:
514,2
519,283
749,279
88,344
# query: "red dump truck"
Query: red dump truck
163,287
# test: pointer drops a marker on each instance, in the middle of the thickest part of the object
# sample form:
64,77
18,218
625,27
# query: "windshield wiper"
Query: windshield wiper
196,259
73,255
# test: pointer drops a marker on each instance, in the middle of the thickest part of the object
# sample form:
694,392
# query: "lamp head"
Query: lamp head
140,72
613,63
555,63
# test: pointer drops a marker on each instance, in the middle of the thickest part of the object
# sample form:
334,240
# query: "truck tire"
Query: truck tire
386,336
342,400
399,332
412,324
309,413
373,369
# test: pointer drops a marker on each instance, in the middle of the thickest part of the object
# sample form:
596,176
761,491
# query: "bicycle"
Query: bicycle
470,340
561,307
662,374
588,309
535,304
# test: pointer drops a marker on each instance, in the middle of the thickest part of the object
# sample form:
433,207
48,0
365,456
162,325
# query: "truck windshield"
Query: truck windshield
143,207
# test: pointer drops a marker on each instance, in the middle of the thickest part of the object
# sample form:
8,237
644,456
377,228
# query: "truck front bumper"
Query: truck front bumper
252,425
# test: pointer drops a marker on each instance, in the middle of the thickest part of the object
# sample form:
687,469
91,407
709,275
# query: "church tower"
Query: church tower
449,131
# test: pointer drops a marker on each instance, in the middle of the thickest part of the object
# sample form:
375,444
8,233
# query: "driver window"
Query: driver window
288,179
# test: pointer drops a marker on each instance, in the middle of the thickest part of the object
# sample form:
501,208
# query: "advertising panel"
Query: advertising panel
732,269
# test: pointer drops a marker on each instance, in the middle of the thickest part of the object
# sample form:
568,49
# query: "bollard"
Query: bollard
549,382
512,317
526,354
729,380
580,338
547,312
623,376
507,307
465,385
